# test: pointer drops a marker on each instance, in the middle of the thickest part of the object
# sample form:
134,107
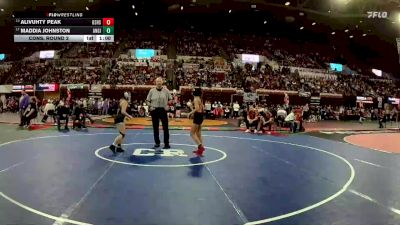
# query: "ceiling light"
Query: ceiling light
346,30
333,33
136,13
301,28
2,10
357,26
181,7
351,36
287,3
313,23
329,11
265,22
87,8
133,6
230,11
364,35
361,21
54,3
301,13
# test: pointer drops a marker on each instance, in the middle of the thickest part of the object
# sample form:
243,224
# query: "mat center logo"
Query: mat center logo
146,152
143,155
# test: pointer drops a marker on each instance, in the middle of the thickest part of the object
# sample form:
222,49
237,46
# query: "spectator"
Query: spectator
252,119
49,110
266,120
23,105
30,112
236,108
63,113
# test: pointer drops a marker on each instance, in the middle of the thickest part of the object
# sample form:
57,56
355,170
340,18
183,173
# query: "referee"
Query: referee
157,99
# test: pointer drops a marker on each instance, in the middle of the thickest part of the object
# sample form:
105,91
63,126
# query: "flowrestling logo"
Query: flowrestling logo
378,14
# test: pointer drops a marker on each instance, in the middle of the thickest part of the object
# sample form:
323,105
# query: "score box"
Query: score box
108,30
108,21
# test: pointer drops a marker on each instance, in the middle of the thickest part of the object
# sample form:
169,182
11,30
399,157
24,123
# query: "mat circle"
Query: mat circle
224,155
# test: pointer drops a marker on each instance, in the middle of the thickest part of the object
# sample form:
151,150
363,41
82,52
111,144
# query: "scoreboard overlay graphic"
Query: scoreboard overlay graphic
63,27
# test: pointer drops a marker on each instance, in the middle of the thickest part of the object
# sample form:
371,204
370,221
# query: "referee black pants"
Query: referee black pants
157,115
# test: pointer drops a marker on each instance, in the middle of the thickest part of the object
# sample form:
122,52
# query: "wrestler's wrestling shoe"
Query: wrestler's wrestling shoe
199,152
112,148
119,149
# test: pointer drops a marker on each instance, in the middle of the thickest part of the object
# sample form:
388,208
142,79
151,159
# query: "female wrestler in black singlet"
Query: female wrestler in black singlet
198,117
120,124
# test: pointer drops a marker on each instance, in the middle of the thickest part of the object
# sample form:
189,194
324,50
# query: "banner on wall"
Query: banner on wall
19,88
194,66
95,91
329,95
361,99
145,64
6,89
315,100
250,97
75,86
304,94
267,91
394,101
47,87
96,87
